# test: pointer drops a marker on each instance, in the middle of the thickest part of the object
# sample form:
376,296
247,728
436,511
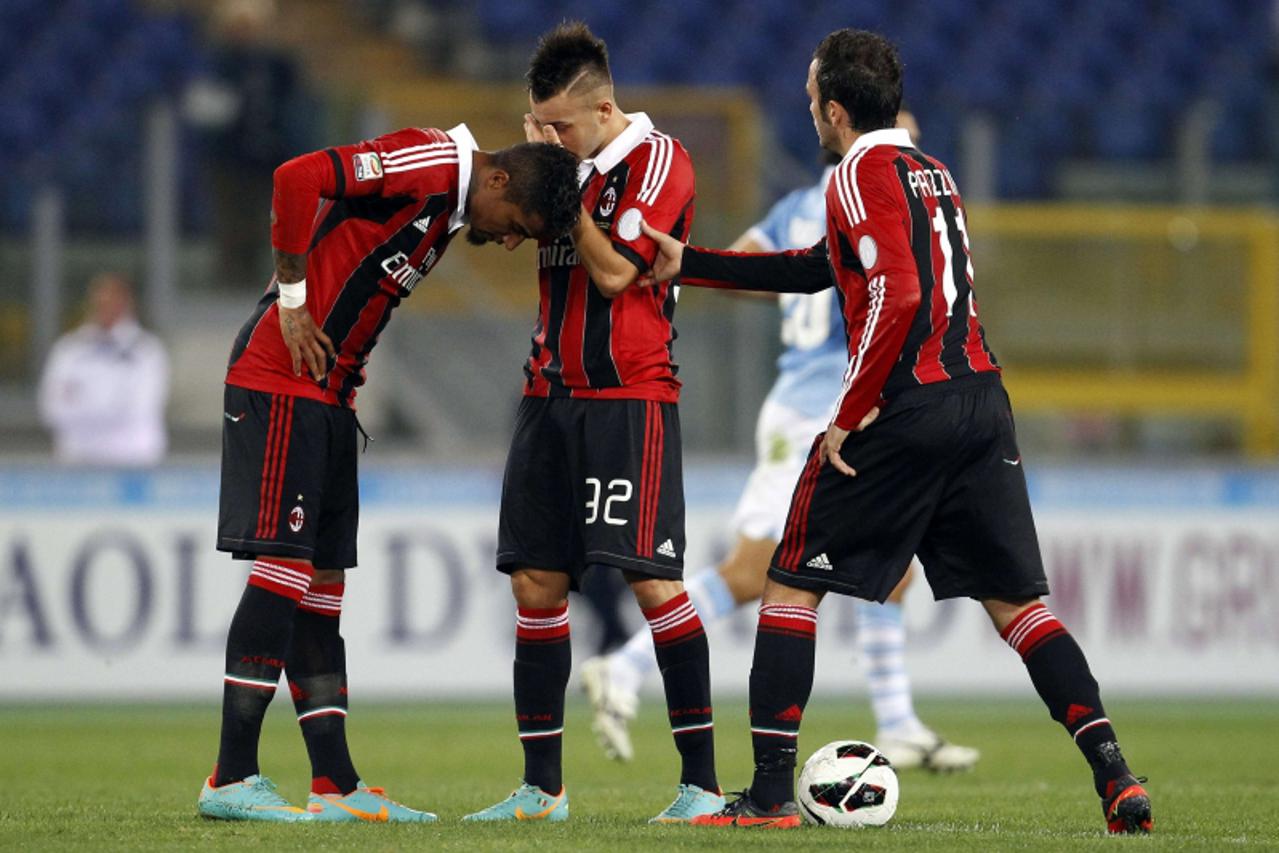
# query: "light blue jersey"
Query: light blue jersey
811,369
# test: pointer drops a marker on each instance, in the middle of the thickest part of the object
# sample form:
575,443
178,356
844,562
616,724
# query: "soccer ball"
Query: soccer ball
848,783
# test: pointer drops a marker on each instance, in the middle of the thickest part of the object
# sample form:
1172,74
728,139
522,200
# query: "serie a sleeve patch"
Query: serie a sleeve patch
367,166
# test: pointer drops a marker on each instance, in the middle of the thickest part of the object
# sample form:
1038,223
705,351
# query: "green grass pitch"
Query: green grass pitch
126,777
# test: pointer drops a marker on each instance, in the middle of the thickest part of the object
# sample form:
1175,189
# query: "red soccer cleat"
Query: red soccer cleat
745,812
1127,806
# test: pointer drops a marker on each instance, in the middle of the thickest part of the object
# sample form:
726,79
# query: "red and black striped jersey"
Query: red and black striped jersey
585,344
897,246
373,219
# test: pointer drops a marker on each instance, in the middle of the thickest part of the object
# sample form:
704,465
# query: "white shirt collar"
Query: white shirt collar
466,144
613,153
888,136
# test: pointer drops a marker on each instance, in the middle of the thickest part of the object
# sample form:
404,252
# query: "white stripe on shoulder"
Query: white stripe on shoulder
665,151
415,149
420,164
652,141
841,191
852,179
420,155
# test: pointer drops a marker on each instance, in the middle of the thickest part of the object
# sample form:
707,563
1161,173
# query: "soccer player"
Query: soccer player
355,229
594,471
798,407
921,455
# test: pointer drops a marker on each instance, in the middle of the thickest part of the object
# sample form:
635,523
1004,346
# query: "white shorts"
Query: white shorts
783,438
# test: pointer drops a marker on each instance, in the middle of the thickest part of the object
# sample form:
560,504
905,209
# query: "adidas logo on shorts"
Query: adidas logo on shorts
821,561
667,549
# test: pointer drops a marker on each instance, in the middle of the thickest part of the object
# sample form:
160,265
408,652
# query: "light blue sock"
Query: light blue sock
881,639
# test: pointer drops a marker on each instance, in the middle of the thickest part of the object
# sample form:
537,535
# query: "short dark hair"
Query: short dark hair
543,182
562,55
861,72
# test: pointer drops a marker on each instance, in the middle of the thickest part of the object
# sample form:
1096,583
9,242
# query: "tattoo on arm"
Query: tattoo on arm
289,268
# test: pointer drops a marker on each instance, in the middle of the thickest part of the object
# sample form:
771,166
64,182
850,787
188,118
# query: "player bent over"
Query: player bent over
594,471
921,456
355,228
810,370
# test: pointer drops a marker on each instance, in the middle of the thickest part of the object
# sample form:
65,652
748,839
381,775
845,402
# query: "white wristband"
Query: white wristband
293,295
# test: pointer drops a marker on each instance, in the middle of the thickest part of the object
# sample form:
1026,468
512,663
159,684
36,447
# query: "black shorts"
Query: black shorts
938,475
289,481
593,482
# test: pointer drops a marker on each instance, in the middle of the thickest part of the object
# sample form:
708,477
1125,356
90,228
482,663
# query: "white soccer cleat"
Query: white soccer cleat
613,707
928,750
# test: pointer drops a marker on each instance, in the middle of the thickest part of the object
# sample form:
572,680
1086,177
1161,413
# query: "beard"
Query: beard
474,238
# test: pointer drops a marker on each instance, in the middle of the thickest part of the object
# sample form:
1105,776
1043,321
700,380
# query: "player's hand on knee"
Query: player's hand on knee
306,343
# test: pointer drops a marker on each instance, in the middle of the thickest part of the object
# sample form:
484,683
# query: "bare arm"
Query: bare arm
307,343
611,271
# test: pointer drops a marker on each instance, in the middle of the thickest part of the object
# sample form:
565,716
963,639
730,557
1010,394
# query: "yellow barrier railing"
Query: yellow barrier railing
1203,275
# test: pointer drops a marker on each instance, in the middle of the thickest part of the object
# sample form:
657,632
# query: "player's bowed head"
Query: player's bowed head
526,190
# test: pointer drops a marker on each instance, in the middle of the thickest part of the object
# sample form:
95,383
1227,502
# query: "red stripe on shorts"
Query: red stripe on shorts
797,524
267,460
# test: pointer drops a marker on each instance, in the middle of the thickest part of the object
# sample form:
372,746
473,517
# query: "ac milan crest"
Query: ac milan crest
608,202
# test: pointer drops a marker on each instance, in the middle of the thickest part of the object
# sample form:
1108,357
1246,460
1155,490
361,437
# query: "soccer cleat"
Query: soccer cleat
527,802
690,802
363,804
252,798
1127,806
928,750
744,811
613,707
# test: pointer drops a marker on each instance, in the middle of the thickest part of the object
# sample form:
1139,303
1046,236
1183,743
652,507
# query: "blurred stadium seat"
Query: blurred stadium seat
77,77
1062,80
1040,69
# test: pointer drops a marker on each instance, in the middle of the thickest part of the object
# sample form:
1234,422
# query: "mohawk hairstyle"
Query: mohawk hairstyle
568,57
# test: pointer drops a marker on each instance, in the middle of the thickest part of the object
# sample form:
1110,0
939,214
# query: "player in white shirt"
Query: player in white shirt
797,408
105,385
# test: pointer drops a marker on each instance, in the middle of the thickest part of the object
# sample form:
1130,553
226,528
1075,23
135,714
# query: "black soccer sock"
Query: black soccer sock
684,657
1060,673
542,663
316,668
257,646
781,681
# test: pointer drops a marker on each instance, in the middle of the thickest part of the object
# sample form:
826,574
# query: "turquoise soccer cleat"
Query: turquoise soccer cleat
253,798
527,802
690,802
363,804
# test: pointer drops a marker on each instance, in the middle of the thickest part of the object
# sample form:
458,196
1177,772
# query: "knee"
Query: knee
327,576
538,589
654,592
776,593
1003,611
